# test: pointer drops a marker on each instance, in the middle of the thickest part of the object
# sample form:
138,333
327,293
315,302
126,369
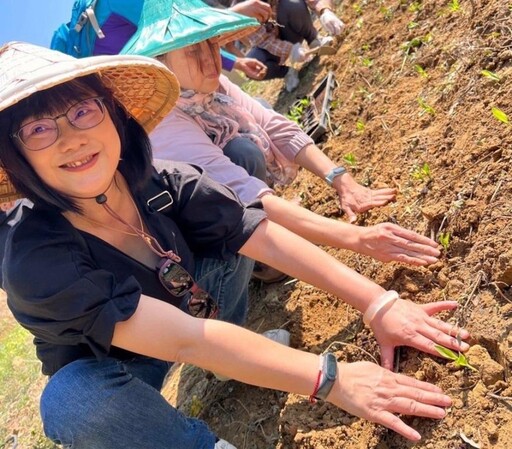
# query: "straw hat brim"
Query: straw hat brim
145,87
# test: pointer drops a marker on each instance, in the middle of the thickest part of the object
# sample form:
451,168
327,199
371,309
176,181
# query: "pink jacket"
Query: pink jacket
179,138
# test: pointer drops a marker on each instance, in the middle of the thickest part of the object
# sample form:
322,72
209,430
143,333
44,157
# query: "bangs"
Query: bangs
56,100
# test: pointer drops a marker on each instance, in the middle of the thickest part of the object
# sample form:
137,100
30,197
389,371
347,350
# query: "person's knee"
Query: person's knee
245,153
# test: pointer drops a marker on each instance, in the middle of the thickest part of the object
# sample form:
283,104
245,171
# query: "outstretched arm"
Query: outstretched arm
363,389
398,323
354,198
385,242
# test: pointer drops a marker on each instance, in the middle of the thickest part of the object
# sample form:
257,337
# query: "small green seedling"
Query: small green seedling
297,110
426,108
387,13
358,8
420,71
459,359
454,6
444,240
421,173
367,62
415,6
500,115
491,75
411,25
360,126
350,159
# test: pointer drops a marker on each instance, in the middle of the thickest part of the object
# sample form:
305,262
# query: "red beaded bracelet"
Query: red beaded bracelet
312,398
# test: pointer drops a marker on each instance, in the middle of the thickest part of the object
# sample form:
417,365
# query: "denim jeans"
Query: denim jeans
116,404
244,152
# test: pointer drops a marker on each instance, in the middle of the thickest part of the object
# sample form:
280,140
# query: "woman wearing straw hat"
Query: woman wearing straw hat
241,144
100,269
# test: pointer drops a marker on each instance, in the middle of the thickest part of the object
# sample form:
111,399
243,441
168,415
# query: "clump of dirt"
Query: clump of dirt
417,85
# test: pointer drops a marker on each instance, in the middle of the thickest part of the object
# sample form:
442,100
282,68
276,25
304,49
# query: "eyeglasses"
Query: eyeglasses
41,133
178,281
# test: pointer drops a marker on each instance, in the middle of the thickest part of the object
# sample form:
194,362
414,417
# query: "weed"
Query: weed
444,240
491,75
365,47
459,359
411,25
359,23
500,115
421,173
360,126
420,71
350,159
426,108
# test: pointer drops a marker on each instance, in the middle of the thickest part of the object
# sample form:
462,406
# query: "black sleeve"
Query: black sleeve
55,290
212,218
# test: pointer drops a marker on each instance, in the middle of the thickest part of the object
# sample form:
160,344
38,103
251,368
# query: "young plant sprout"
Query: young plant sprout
454,6
297,110
360,125
426,108
458,358
444,240
500,115
350,159
420,71
491,75
421,173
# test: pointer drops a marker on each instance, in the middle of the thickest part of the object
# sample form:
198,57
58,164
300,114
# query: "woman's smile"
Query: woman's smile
81,164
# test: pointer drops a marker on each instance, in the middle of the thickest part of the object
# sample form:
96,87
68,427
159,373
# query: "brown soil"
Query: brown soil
468,195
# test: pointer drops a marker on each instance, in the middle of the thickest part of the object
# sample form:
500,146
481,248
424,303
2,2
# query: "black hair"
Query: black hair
136,153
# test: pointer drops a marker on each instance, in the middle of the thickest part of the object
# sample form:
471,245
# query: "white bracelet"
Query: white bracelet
377,304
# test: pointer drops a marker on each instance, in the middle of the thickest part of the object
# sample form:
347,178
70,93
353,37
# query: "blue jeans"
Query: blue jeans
116,404
244,152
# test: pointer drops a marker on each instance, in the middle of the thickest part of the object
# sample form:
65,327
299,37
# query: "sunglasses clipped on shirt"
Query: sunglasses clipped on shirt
178,281
41,133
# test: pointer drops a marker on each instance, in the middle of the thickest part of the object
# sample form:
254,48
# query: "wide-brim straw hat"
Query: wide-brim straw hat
146,88
167,25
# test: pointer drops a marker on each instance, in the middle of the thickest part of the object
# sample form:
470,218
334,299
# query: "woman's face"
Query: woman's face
81,163
197,67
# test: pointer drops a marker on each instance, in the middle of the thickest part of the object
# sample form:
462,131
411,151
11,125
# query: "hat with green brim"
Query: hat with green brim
167,25
146,88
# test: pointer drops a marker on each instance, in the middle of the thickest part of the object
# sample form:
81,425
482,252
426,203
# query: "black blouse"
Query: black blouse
69,288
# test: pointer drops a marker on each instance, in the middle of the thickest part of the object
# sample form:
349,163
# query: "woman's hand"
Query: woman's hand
355,198
253,68
404,323
257,9
388,242
371,392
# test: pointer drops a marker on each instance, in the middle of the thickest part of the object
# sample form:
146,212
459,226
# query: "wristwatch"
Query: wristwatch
337,171
329,375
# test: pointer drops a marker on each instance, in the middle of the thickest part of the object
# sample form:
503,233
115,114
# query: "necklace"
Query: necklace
103,225
150,241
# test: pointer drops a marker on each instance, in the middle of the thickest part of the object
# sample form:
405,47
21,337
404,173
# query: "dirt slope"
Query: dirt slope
415,110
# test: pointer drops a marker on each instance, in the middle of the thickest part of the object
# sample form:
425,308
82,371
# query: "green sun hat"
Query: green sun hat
167,25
